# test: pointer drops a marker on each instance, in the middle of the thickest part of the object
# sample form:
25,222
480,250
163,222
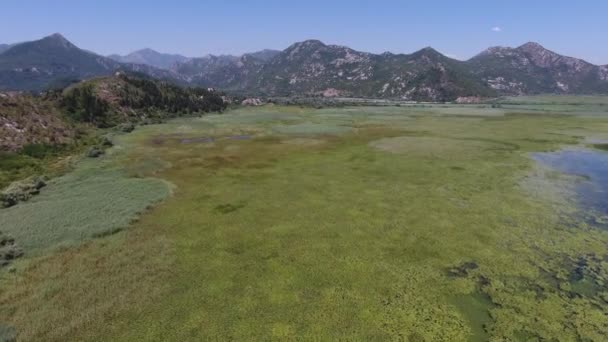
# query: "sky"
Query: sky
459,29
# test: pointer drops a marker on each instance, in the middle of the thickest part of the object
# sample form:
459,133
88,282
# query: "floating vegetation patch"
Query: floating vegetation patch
204,140
249,116
432,147
197,140
147,166
304,142
462,270
239,137
229,207
311,129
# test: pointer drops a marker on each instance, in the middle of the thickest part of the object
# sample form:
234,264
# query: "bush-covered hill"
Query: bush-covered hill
110,101
37,132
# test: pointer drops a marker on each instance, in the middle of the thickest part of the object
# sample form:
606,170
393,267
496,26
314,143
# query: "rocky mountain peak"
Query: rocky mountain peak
532,46
428,54
496,51
307,45
58,40
147,51
545,58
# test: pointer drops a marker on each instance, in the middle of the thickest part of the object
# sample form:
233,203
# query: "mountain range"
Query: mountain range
314,68
54,62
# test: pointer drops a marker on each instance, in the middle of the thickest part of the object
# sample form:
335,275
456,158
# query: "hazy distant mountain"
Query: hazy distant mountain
53,62
531,68
152,58
225,72
4,47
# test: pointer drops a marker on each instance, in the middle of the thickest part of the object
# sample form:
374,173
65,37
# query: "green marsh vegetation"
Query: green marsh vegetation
363,223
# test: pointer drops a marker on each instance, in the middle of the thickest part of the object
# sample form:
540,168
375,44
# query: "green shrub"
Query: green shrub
21,191
13,161
9,251
41,151
126,127
95,152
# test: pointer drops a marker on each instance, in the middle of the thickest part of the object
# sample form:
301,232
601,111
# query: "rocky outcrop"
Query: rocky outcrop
531,69
26,120
469,99
252,102
603,73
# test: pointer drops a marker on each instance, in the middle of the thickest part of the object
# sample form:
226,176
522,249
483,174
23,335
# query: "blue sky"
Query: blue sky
195,28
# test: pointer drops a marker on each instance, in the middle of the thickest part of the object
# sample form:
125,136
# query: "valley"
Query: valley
409,171
433,222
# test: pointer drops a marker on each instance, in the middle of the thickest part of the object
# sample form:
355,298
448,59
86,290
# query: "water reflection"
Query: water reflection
591,166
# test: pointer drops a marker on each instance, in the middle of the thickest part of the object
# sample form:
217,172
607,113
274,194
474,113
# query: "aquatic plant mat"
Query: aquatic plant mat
362,223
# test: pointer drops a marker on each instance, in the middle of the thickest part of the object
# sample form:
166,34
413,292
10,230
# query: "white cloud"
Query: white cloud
496,29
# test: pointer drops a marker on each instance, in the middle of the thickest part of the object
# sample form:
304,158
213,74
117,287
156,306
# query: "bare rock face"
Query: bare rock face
252,102
531,68
26,120
603,72
468,99
331,92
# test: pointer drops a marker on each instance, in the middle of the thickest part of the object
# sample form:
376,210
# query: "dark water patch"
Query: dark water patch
229,207
602,146
7,333
161,139
525,335
586,276
462,270
197,140
591,167
475,308
579,277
